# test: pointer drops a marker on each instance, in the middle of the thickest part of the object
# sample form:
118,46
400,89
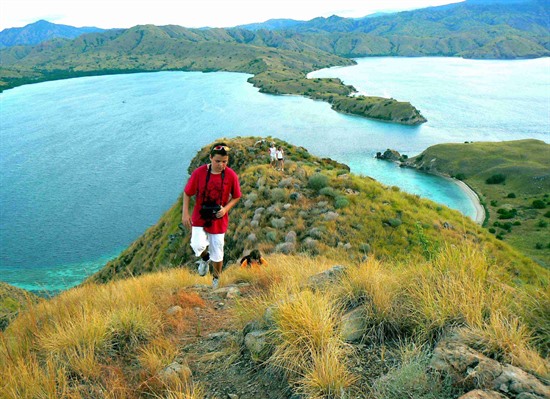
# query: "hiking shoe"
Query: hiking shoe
215,282
202,267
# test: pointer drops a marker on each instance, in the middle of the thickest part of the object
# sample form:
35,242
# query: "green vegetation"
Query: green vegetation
382,217
414,271
147,48
12,301
499,178
512,179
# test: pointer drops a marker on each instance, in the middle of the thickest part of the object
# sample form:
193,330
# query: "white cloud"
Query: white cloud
189,13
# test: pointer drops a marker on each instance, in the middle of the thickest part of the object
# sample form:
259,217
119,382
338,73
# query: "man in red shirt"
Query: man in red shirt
216,189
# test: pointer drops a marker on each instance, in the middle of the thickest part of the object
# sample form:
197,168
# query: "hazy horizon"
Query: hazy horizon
190,13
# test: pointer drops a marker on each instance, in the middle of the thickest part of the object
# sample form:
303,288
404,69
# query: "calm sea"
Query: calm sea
86,165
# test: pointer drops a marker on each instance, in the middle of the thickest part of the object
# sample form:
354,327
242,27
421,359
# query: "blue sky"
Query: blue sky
189,13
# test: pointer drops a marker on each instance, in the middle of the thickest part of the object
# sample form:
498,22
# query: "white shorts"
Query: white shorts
200,240
273,157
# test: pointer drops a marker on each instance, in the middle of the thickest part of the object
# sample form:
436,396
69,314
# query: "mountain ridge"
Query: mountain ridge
41,31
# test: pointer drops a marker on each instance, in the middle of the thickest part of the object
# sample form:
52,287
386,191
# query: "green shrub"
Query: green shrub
492,230
499,178
542,223
365,247
507,213
539,204
341,172
511,195
494,203
278,195
328,191
394,222
271,236
547,214
341,202
507,226
460,176
317,181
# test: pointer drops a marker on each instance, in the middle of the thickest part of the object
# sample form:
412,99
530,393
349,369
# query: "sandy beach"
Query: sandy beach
480,210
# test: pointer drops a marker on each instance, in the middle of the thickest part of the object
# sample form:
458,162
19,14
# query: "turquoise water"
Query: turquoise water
88,164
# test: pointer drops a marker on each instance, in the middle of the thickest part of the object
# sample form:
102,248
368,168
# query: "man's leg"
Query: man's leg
199,243
216,256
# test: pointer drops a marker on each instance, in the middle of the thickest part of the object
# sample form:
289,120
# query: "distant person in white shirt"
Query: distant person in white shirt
280,158
273,155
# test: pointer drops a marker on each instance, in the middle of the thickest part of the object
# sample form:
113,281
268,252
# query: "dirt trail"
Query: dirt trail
214,351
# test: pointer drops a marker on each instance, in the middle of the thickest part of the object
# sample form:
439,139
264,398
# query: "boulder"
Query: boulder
291,236
330,276
473,370
481,394
174,371
353,325
174,310
389,155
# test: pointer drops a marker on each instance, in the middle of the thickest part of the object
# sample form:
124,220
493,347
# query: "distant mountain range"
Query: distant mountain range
472,29
39,32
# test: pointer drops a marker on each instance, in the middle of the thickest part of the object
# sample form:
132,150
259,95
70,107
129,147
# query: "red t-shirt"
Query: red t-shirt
196,186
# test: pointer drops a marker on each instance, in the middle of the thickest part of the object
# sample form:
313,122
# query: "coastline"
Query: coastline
480,210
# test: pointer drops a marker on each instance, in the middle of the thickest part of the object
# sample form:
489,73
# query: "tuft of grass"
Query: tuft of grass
459,286
328,376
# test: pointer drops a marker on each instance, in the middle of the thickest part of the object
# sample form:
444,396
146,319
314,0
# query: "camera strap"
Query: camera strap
206,185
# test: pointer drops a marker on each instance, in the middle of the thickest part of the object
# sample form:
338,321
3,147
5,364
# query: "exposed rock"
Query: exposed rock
285,183
291,236
353,325
175,371
248,203
331,216
232,292
174,310
514,381
252,237
473,370
330,276
278,223
482,394
285,247
310,243
389,155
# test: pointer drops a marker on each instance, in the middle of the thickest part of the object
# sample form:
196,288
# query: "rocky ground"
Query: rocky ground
214,352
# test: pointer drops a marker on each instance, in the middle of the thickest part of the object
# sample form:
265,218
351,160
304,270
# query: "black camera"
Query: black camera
208,210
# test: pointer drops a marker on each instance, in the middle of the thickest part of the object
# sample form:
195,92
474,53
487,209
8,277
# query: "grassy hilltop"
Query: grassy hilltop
411,273
316,207
512,179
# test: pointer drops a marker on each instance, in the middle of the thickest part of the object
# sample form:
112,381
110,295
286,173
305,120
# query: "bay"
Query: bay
86,165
